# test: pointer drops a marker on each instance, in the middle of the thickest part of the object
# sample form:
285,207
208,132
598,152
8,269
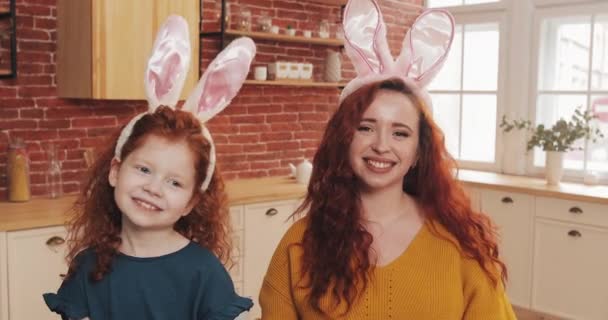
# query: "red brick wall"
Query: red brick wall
263,130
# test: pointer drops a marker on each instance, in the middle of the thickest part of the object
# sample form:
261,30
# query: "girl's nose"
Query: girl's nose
153,187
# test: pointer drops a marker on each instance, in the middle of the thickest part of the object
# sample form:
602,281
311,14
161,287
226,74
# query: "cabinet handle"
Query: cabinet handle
507,200
55,241
574,233
272,212
576,210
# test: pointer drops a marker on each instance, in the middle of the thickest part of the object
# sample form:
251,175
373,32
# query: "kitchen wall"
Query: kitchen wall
263,130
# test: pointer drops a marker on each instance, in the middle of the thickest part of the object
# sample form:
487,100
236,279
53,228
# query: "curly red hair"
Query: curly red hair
336,245
95,220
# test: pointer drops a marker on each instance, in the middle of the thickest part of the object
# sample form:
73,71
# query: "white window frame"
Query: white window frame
480,14
555,9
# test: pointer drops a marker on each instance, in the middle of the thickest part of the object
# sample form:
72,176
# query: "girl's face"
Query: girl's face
153,186
385,143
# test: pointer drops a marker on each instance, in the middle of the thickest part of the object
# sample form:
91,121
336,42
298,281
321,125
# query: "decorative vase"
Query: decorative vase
554,167
333,66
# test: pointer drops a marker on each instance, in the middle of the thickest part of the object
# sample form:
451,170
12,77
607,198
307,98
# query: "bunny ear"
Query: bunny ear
168,64
222,80
365,35
426,46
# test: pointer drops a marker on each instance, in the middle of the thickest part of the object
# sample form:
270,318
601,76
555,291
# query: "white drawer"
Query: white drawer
572,211
237,243
236,217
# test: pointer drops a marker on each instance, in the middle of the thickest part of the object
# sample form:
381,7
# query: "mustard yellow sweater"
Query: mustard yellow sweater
430,280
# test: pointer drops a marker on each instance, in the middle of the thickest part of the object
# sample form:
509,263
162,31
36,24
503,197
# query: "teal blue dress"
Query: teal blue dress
189,284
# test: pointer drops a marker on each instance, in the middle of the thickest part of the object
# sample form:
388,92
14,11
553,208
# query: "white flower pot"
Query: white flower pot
554,167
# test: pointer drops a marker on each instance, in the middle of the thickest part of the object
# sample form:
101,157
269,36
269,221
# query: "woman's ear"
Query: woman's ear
113,175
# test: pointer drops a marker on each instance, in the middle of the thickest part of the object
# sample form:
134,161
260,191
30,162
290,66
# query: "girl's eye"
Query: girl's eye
143,169
176,184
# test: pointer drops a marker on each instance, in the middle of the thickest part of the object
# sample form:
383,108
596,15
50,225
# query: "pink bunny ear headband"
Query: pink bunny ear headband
423,53
166,73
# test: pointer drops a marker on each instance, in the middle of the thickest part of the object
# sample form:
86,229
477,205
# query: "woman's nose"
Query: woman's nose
380,143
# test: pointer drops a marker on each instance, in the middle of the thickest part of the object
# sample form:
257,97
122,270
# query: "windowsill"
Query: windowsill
535,186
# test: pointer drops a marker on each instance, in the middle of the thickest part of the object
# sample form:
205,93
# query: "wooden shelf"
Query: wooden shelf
295,83
332,2
285,38
4,10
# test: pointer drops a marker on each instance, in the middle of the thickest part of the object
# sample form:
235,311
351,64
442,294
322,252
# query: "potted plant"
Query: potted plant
557,139
290,30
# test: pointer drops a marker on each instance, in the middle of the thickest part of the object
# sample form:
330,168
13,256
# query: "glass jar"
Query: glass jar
53,173
324,29
18,172
244,22
264,22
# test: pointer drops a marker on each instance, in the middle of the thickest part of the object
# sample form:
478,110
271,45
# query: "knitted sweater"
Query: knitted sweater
430,280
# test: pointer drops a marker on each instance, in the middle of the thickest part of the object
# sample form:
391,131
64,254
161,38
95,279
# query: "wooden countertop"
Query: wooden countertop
44,212
534,186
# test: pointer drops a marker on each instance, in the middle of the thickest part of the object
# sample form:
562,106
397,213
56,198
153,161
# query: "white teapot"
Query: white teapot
302,172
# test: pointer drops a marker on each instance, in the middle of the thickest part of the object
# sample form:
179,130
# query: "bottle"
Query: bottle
18,172
53,173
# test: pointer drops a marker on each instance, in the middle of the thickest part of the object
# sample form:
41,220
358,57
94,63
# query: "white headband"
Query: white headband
166,73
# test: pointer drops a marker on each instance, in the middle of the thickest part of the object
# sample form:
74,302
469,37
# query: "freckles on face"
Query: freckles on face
385,143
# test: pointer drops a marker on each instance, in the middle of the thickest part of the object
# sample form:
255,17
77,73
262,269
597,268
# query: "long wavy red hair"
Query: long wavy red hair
95,220
336,260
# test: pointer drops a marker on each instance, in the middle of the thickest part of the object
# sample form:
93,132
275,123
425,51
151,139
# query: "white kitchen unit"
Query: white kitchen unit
513,214
571,259
33,261
265,225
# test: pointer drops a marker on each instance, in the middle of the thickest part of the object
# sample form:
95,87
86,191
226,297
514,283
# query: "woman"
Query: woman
388,233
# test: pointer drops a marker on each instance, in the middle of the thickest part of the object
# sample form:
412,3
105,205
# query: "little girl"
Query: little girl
150,230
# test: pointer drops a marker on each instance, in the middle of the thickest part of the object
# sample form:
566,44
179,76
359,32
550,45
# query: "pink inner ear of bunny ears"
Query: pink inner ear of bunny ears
165,80
361,44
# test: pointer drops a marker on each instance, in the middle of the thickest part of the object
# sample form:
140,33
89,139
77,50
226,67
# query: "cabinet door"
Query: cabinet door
35,262
513,214
570,264
475,195
265,224
103,46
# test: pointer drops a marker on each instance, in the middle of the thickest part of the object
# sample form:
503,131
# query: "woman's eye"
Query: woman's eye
402,134
176,184
364,129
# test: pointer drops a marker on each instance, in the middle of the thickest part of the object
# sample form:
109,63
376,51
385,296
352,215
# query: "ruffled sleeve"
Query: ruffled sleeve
70,301
219,300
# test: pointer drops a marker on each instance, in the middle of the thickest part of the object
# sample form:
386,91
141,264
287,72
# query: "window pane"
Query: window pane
599,73
449,3
598,152
552,107
478,127
479,1
480,57
564,53
446,113
449,76
443,3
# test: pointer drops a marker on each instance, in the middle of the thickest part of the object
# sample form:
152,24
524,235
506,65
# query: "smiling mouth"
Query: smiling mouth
378,165
146,205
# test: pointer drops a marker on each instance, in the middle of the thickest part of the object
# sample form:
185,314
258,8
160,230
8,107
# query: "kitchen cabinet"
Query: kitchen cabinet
103,46
32,263
8,40
264,226
513,214
570,259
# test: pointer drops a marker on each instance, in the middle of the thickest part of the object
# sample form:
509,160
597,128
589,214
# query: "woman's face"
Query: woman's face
385,143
